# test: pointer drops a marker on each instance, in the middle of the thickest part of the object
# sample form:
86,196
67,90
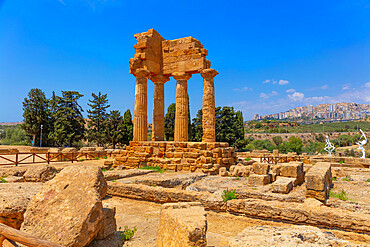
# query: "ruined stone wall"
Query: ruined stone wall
178,156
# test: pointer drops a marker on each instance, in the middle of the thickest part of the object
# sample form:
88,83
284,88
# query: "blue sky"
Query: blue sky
270,55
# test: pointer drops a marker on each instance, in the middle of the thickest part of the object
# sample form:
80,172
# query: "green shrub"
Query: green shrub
334,179
114,180
2,180
82,159
96,158
229,195
341,195
341,162
127,233
347,179
368,180
104,170
154,168
105,157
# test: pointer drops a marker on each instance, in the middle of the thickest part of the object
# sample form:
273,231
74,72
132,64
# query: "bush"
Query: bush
2,180
229,195
341,195
127,234
247,159
96,158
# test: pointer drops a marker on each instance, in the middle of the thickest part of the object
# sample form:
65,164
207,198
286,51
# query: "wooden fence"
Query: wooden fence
48,157
9,237
271,159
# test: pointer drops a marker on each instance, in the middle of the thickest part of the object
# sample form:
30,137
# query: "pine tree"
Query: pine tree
115,128
225,125
197,127
68,120
35,114
128,127
97,116
169,122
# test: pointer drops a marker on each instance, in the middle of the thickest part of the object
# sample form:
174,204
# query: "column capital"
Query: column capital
159,79
208,73
181,76
141,73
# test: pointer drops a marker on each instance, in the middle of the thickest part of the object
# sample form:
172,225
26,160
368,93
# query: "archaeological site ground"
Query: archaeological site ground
180,193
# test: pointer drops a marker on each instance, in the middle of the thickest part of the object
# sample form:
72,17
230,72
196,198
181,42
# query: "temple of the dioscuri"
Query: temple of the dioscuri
158,59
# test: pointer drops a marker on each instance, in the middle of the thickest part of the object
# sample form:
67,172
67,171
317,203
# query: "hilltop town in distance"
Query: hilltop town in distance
324,113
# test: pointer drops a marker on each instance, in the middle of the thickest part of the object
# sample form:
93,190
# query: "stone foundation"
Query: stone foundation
178,156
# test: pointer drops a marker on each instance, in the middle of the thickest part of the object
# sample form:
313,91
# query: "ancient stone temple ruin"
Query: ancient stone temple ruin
158,59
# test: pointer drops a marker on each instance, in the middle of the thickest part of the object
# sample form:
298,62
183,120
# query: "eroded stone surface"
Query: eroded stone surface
118,174
41,173
14,198
305,236
68,210
182,224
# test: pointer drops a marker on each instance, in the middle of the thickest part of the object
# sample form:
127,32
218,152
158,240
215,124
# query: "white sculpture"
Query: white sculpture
329,147
362,143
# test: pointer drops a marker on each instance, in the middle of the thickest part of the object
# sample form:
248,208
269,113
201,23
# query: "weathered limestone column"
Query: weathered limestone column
158,107
141,106
182,105
208,120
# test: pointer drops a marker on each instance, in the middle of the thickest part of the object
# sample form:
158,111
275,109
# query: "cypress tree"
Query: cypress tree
115,129
97,115
128,127
35,114
68,120
169,122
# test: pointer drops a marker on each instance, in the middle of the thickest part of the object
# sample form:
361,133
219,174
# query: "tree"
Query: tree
293,145
197,127
115,128
97,116
128,127
68,120
169,122
345,140
226,125
277,140
35,114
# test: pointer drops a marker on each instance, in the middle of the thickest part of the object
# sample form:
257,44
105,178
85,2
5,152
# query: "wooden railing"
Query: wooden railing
271,159
47,157
9,237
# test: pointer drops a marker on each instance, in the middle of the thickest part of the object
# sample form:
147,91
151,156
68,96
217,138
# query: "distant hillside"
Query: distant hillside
10,123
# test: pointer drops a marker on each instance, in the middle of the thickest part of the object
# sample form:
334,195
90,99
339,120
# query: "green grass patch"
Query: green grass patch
104,170
105,157
229,195
96,158
153,168
347,179
334,179
341,162
254,188
368,181
127,233
114,180
342,195
247,159
2,180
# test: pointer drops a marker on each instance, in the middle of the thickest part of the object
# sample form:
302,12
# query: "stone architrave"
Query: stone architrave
182,106
141,106
208,120
158,107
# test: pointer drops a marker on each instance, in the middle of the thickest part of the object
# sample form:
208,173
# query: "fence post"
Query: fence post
16,159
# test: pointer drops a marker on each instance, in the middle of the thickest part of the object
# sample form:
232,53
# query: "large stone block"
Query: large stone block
109,225
182,224
261,168
282,185
292,170
40,173
319,176
258,180
68,210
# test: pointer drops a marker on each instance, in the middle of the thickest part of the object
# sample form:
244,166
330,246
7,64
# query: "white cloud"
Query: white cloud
268,95
367,85
324,87
296,96
291,90
283,82
243,89
266,81
346,86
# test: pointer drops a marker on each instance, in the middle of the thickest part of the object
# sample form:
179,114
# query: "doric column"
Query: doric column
182,105
158,107
208,120
141,106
